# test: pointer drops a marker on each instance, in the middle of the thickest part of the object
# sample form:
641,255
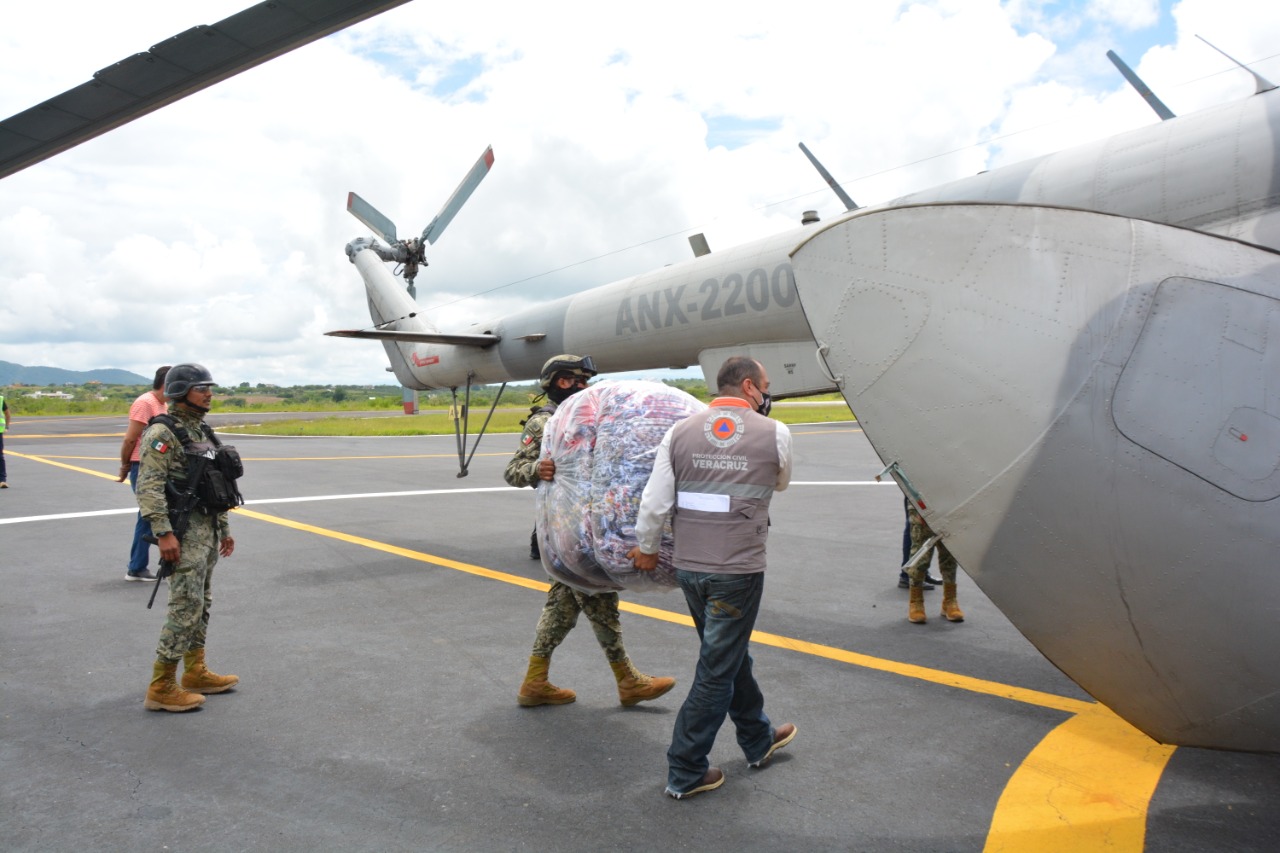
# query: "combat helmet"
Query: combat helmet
574,365
182,377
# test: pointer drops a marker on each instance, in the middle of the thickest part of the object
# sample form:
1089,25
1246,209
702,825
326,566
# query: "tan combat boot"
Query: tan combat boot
164,694
915,607
634,686
536,690
197,678
950,609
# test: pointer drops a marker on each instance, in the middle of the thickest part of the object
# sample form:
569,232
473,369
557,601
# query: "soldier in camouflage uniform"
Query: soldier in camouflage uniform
947,565
189,388
562,377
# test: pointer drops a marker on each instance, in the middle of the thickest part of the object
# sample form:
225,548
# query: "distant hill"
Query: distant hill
11,373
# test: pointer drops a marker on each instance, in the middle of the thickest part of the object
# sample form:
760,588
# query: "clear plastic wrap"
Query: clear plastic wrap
603,440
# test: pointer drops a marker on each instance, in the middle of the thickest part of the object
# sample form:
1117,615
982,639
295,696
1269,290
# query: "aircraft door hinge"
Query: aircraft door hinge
894,470
821,355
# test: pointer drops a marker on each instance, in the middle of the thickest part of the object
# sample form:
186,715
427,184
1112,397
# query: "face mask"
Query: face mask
766,404
558,395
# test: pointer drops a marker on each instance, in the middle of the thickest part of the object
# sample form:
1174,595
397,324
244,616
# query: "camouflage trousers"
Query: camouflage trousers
920,534
560,614
190,590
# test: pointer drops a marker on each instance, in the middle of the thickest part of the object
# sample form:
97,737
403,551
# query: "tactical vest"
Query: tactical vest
215,490
726,466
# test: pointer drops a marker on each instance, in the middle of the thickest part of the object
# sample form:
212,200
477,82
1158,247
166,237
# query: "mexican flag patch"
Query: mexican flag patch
159,445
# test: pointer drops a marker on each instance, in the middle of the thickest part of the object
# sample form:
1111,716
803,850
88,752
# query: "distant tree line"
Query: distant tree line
98,399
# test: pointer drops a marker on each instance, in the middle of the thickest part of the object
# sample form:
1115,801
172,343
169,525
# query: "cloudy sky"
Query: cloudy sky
213,230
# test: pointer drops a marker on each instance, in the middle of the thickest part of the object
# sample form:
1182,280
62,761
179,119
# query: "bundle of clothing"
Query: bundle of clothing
603,440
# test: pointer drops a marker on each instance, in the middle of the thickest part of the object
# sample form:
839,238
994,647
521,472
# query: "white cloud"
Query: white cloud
1124,14
214,229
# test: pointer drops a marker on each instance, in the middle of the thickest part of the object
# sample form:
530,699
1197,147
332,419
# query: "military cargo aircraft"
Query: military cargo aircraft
1068,364
1071,365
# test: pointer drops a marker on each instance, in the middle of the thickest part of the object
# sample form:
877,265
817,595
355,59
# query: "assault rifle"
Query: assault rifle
181,505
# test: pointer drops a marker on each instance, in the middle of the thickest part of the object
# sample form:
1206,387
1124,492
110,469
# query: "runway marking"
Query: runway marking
280,458
949,679
10,435
46,460
1087,785
824,431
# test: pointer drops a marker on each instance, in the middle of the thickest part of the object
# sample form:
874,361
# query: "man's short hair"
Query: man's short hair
737,369
161,373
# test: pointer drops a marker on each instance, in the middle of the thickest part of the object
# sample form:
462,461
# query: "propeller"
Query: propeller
411,253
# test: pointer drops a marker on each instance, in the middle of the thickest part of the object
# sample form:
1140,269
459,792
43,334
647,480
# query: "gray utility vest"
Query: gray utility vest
726,465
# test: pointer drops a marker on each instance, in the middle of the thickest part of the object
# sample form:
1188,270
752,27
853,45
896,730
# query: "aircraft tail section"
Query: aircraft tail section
392,309
390,305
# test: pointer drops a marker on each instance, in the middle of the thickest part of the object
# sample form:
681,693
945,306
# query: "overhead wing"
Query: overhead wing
1087,405
417,337
171,70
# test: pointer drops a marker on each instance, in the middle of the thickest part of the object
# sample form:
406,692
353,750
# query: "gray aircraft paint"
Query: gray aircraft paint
982,346
1089,407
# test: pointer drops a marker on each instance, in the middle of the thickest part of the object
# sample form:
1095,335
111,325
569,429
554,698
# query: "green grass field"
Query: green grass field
504,420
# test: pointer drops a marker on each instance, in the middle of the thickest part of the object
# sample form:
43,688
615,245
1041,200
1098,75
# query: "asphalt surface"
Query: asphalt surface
379,612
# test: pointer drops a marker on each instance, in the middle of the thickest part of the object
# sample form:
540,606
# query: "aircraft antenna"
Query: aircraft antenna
1136,82
1261,84
849,203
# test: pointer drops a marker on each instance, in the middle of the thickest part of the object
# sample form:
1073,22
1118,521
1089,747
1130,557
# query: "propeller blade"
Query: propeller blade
451,207
370,216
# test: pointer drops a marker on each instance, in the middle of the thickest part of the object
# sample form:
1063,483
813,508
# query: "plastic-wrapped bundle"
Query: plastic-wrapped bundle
603,440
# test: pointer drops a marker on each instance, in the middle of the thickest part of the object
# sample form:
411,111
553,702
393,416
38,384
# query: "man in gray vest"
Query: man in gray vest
718,470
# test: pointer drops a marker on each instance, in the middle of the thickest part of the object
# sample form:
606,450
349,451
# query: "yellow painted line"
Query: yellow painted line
453,455
1086,786
948,679
9,435
479,571
40,419
924,673
288,458
48,461
825,431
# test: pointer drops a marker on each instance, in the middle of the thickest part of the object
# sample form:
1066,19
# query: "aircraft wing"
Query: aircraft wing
171,70
1085,405
417,337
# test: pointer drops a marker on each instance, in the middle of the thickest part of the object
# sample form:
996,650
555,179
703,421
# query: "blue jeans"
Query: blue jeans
140,553
724,609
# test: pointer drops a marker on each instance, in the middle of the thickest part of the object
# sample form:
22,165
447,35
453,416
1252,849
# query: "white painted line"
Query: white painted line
502,489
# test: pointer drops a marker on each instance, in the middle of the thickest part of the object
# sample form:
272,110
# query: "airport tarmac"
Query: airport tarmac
379,612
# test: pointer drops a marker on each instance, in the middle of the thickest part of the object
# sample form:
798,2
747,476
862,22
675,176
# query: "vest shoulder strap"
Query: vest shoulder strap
180,431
